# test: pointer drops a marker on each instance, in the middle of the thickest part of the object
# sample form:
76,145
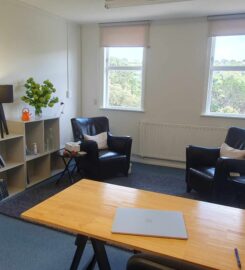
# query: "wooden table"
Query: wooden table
87,209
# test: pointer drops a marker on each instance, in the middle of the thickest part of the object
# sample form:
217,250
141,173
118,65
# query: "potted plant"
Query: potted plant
39,95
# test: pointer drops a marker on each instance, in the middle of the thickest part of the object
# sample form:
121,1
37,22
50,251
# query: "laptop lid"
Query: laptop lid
149,222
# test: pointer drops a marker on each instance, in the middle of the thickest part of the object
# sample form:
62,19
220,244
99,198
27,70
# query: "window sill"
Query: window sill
221,115
122,109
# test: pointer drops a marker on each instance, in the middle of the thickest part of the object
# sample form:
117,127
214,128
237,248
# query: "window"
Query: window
123,78
226,93
124,46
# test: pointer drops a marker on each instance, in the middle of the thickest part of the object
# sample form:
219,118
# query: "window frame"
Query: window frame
211,70
105,90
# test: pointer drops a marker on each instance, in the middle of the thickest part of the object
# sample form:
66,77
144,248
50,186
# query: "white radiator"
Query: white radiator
169,141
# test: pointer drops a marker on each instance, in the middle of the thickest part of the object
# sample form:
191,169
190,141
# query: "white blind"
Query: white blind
124,35
226,27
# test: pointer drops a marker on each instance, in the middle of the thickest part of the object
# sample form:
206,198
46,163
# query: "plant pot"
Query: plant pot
38,115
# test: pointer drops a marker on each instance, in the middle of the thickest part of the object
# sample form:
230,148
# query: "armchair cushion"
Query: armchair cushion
106,155
100,139
230,152
208,172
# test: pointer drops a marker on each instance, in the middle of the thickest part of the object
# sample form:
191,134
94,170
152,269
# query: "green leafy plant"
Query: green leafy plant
39,95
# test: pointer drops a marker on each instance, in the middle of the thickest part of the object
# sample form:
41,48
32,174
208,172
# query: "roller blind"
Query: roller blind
124,35
226,27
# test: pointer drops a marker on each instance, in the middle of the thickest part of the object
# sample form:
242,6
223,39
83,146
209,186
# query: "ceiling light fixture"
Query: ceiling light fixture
127,3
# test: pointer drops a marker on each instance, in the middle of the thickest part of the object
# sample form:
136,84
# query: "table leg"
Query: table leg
80,243
91,264
100,254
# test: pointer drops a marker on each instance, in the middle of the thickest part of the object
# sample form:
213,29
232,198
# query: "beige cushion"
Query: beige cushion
227,151
101,139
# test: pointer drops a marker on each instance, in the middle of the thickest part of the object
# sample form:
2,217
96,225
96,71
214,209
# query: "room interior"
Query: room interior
67,43
60,41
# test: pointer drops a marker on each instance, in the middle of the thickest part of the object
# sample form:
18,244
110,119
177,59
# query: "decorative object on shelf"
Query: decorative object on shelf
26,115
28,151
39,95
6,96
3,189
34,148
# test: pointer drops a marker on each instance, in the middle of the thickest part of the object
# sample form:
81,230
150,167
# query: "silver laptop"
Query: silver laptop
149,222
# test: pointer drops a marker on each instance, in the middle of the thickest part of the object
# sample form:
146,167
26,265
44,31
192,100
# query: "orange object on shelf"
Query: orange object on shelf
26,115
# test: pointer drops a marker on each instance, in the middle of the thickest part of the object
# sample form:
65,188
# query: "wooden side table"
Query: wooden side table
67,158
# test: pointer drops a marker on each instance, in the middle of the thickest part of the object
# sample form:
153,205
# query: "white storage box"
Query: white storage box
73,146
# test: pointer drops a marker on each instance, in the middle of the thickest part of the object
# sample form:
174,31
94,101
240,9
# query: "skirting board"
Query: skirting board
159,162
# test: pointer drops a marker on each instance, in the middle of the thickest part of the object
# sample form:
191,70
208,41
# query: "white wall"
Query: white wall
34,44
175,78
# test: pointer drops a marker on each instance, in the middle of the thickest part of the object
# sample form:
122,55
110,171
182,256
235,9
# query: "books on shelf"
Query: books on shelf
2,162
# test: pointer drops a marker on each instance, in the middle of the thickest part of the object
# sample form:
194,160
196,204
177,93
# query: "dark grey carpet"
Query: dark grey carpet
25,246
31,247
147,177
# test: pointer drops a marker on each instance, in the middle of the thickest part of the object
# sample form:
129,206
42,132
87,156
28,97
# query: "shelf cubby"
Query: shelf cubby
15,179
34,133
12,150
38,169
51,135
56,164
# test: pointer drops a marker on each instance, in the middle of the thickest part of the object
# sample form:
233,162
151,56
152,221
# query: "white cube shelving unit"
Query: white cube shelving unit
23,168
12,152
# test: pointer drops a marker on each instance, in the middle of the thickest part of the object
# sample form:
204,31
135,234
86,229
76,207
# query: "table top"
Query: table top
88,208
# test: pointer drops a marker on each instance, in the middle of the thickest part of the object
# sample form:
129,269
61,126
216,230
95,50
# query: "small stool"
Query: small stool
67,158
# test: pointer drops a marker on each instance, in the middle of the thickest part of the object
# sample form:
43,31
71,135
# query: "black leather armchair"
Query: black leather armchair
150,262
207,172
101,163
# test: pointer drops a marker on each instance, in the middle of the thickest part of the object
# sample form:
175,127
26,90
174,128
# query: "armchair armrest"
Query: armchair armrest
120,144
229,165
223,169
91,148
201,156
